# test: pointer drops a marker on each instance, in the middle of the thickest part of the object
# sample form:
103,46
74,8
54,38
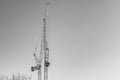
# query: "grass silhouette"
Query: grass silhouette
15,77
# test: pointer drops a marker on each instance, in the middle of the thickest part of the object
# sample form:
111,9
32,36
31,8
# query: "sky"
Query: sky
83,38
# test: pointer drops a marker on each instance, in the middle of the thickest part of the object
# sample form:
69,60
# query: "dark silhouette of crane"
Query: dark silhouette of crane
43,59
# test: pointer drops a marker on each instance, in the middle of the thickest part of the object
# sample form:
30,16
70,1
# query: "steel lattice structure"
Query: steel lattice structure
43,59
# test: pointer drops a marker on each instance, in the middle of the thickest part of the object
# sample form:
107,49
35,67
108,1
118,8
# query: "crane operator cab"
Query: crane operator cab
38,67
47,64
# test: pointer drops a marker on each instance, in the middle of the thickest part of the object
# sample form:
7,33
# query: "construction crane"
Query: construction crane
44,51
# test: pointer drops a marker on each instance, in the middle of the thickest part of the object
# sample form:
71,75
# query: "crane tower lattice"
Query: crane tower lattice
43,59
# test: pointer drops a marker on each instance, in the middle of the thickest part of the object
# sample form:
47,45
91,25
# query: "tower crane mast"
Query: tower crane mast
44,51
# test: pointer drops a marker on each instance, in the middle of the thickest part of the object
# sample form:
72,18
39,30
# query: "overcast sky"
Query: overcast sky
83,37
